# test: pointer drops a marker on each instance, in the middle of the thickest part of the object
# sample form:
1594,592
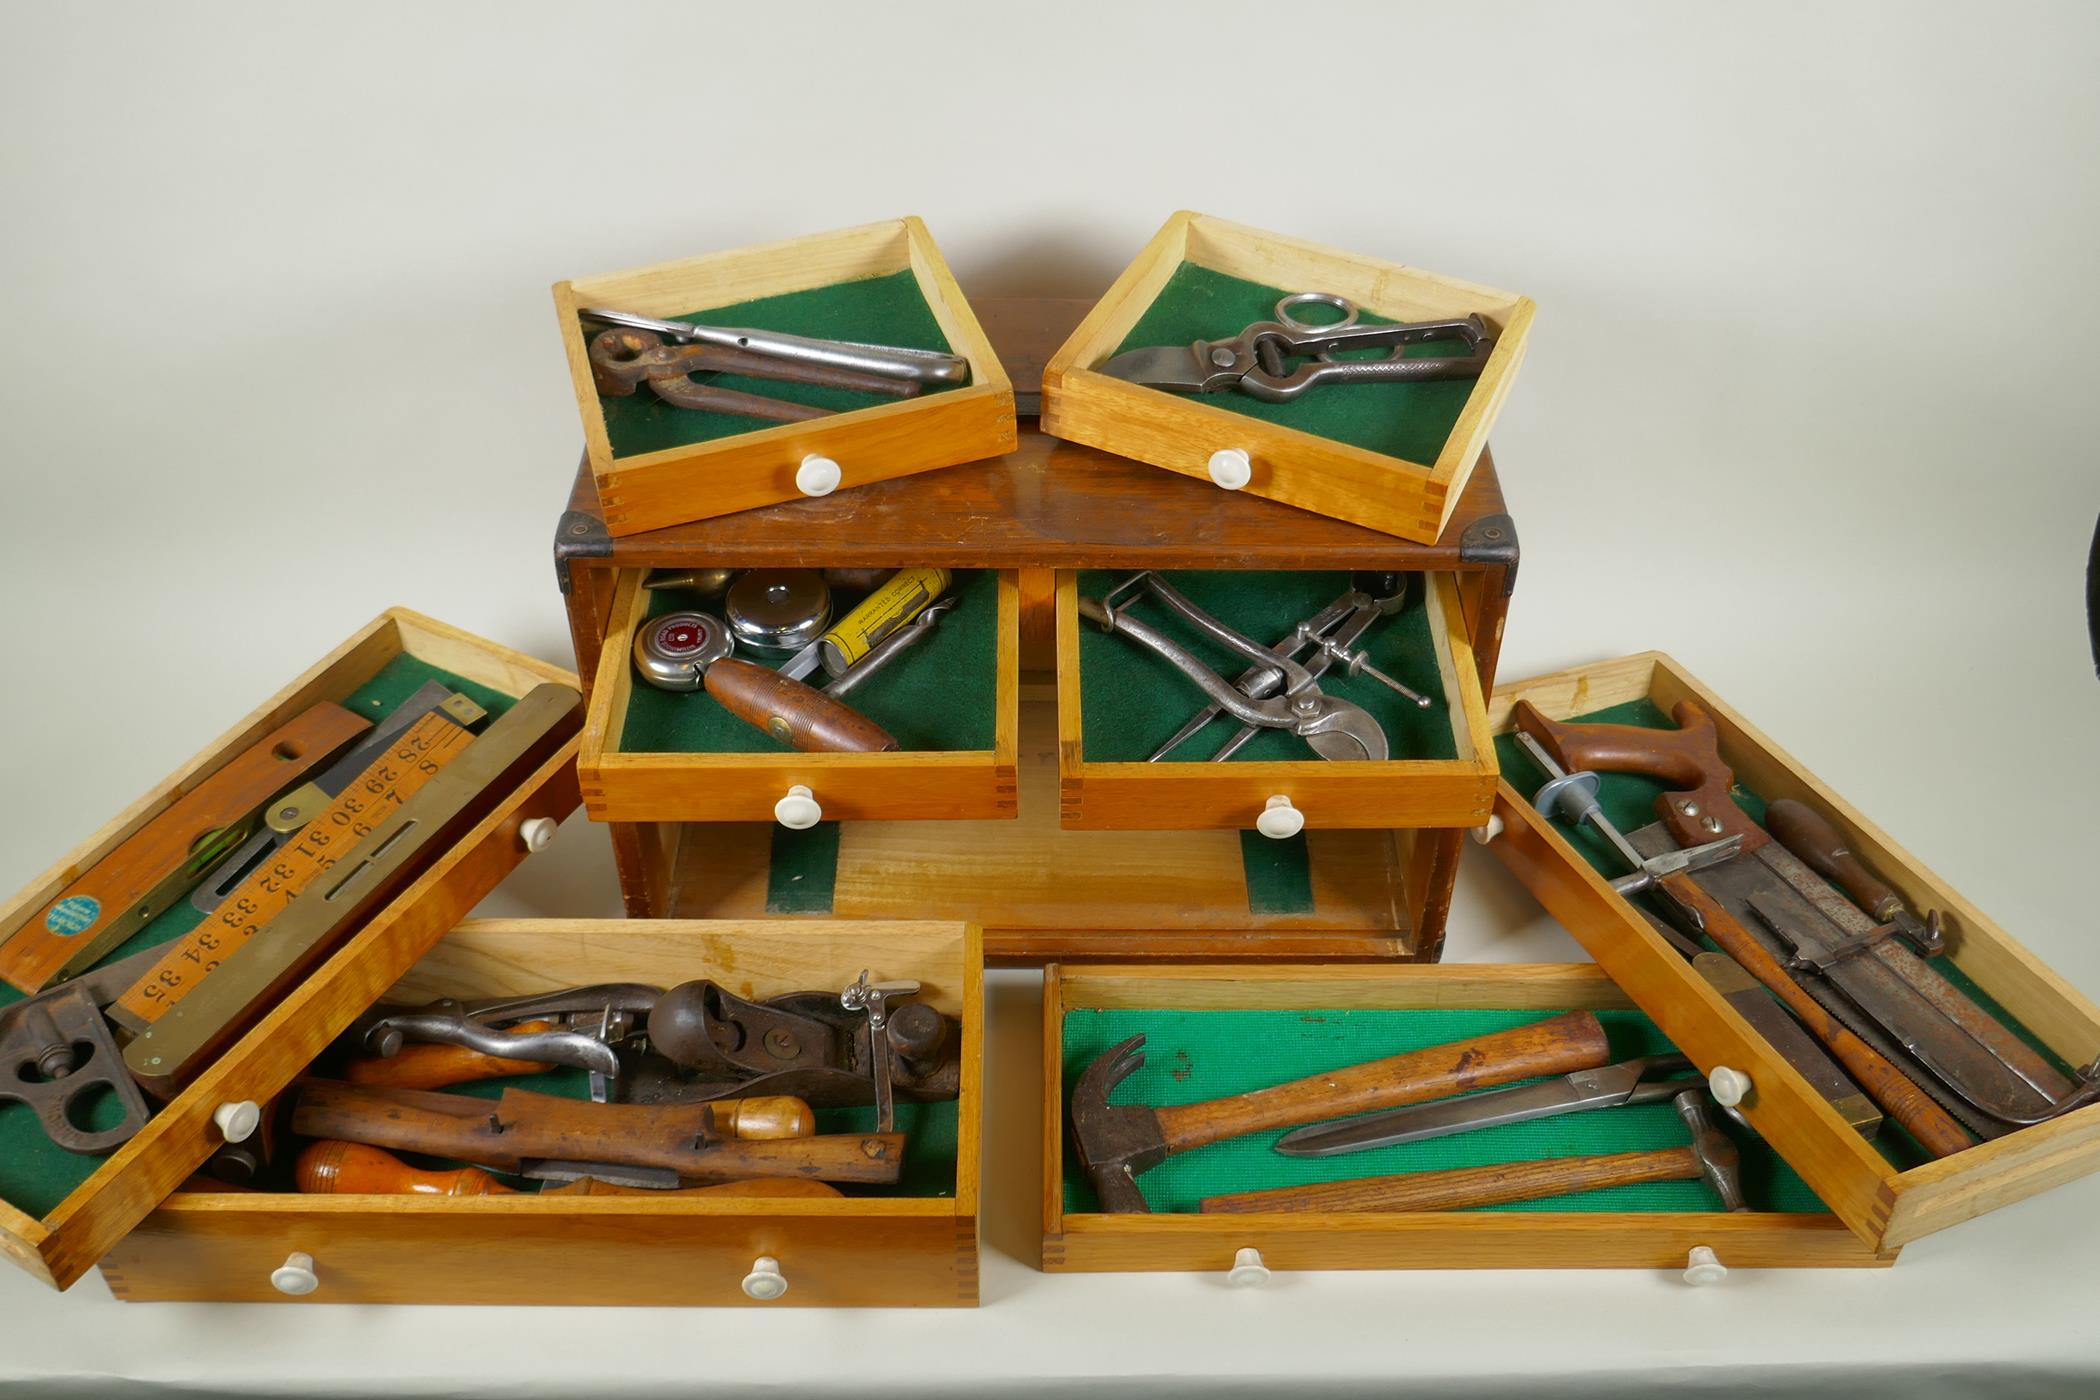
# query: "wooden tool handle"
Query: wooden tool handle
1934,1128
435,1066
770,1118
331,1167
779,1188
1466,1188
797,715
1822,848
1688,758
1572,1041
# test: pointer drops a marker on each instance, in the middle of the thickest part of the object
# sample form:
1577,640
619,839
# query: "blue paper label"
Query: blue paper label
74,914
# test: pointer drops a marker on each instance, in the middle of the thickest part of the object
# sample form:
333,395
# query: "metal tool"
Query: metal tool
589,1022
57,1055
1637,1081
873,998
887,361
710,584
1572,798
1257,360
891,647
1784,1034
1334,728
1823,848
624,360
1116,1142
778,609
896,602
673,652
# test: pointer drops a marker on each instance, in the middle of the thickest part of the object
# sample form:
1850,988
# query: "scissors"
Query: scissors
1257,360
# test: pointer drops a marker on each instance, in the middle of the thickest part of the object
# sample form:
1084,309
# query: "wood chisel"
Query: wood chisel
161,861
228,1000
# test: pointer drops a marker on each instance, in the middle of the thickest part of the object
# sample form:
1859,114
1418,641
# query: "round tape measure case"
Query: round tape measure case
674,651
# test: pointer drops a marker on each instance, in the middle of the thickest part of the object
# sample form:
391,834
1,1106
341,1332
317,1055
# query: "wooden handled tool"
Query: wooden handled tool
430,1066
1688,758
523,1129
336,1168
796,714
166,858
1823,848
1468,1188
1116,1142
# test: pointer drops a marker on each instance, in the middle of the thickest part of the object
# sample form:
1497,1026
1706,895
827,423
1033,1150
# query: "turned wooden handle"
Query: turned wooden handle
1822,848
1465,1188
764,1119
435,1066
1687,758
1559,1045
781,1188
797,715
333,1168
1935,1129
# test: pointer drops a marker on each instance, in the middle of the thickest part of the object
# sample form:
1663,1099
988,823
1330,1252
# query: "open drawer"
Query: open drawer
914,1244
1887,1188
1118,703
61,1211
1216,1031
952,703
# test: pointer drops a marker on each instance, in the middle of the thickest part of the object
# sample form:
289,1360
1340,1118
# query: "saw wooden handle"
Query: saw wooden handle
332,1167
1935,1129
1559,1045
1687,758
1467,1188
1823,848
798,715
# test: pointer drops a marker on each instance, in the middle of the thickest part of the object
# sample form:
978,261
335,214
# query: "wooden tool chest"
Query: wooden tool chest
60,1212
1168,876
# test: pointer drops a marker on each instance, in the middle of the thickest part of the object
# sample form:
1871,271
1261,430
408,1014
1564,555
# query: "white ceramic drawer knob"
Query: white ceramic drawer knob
1231,468
1728,1086
295,1277
1279,820
537,834
798,811
1485,834
817,476
1247,1270
237,1122
1704,1268
765,1282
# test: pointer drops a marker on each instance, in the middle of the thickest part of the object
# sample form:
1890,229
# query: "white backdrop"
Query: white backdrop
1809,405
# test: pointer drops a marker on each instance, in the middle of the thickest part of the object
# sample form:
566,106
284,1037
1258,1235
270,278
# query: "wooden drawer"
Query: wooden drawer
885,282
1886,1203
1315,1003
61,1213
868,1251
1394,457
960,742
1117,702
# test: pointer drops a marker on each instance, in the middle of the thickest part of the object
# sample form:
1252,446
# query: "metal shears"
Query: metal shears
1259,360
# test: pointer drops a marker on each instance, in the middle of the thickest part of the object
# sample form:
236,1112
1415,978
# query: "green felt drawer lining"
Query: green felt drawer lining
940,696
1130,701
1407,421
1194,1056
36,1174
885,310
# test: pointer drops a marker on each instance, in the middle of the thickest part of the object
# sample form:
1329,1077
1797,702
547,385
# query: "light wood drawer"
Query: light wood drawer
58,1240
1086,1240
1117,702
963,768
862,1251
1886,1205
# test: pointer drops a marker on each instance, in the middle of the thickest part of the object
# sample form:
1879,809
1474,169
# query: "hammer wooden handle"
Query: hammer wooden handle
1466,1188
1559,1045
796,714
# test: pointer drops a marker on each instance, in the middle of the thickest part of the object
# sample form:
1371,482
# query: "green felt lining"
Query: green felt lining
885,310
1130,701
1629,801
1407,421
35,1173
940,696
1193,1056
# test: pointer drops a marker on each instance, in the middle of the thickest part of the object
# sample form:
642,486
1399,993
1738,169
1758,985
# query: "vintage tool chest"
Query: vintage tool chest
1028,757
61,1212
911,1246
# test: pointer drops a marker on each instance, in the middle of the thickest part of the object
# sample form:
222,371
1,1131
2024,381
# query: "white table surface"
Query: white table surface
1809,404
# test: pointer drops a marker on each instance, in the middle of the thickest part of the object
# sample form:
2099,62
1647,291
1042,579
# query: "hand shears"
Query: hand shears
1257,361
